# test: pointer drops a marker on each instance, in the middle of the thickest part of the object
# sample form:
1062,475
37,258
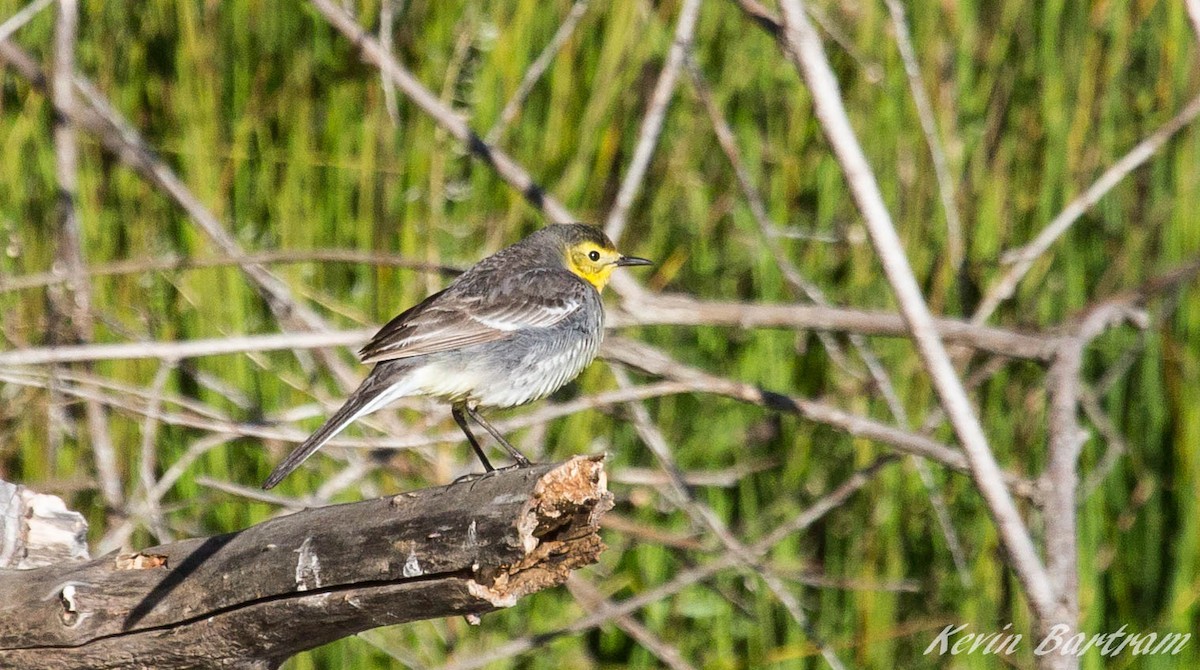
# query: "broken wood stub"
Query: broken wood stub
37,529
255,597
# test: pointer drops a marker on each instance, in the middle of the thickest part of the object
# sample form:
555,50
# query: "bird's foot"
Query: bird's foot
472,477
478,476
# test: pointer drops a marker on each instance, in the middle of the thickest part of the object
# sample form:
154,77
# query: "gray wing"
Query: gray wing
478,311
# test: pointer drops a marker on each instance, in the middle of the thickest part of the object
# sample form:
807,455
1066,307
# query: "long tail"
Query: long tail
380,387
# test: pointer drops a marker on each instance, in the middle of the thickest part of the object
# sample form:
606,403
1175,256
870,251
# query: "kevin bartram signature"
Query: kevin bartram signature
953,640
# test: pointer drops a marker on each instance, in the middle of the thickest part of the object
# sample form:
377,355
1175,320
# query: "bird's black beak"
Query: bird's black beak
626,261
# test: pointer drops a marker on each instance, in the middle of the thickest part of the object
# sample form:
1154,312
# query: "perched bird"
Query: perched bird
514,328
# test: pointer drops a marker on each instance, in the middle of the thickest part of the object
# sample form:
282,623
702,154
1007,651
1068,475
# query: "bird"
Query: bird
515,327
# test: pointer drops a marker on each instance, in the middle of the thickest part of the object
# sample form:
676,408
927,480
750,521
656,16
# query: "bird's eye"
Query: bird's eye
594,255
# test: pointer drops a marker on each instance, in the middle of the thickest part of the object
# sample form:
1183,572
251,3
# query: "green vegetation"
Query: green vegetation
271,119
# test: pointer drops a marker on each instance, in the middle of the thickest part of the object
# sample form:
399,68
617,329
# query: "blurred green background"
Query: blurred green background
269,117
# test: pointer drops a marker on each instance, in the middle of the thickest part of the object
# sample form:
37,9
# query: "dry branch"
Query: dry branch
255,597
536,70
805,48
24,16
925,114
175,263
652,123
1022,259
653,361
811,514
647,310
509,170
98,117
1193,10
680,310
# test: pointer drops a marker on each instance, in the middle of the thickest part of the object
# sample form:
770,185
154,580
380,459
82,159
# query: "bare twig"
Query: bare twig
803,286
652,123
763,17
387,18
1193,11
509,170
813,513
1115,446
805,47
656,310
649,359
1022,259
823,581
148,463
98,117
654,439
385,641
536,70
172,263
75,303
186,349
771,24
1060,483
193,453
954,232
1118,369
726,477
591,598
23,16
679,310
255,493
1061,477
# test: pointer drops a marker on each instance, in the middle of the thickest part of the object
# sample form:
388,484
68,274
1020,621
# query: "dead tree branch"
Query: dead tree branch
73,306
1193,11
652,123
653,361
536,70
814,512
1022,259
955,246
1060,481
509,170
804,47
97,116
255,597
643,310
18,20
175,263
681,310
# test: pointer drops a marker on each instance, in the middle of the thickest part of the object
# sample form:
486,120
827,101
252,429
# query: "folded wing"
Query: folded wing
462,315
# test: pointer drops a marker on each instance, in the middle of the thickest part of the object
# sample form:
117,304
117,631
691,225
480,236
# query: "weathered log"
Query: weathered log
255,597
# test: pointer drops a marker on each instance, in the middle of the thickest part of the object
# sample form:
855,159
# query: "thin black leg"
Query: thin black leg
517,456
461,420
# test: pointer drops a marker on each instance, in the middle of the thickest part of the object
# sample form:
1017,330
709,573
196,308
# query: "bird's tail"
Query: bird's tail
377,390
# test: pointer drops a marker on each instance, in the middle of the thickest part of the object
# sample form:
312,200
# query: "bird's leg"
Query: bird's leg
461,420
517,456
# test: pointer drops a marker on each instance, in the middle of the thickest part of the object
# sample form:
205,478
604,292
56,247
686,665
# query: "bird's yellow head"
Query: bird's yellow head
592,256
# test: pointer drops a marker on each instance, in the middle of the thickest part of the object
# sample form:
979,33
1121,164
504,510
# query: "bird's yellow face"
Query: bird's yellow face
592,262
